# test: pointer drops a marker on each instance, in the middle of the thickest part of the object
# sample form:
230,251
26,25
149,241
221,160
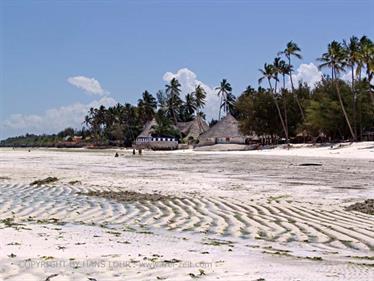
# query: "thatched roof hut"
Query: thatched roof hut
224,131
193,129
147,130
148,140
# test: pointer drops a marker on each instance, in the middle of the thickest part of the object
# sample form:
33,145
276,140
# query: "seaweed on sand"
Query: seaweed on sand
45,181
126,196
366,207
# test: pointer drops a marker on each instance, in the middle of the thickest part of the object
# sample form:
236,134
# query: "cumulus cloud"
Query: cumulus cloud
347,76
89,85
52,120
306,73
188,80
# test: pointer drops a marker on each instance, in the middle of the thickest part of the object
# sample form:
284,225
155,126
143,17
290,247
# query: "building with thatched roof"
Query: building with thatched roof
191,130
224,131
149,140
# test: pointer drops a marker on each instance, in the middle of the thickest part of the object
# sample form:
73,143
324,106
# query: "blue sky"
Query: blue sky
128,46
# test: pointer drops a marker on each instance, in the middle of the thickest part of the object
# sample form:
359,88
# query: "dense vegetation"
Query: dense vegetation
334,108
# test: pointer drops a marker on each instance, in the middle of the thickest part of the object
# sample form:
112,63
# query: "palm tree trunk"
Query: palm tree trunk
343,108
369,75
220,104
285,115
293,92
174,117
285,103
354,96
279,111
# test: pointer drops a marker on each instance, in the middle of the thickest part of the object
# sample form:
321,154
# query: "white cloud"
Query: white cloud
188,80
52,120
346,76
89,85
306,73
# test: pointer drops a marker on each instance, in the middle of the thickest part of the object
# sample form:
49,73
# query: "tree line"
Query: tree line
334,108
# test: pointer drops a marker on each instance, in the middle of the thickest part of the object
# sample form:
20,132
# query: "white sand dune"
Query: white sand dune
234,215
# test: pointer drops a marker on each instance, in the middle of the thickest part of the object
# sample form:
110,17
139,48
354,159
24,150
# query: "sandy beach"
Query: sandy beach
249,215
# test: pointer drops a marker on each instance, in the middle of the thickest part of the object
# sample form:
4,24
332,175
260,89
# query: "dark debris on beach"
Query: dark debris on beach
366,207
126,196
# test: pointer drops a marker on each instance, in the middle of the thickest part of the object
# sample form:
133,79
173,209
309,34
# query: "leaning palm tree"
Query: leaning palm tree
173,90
268,73
293,50
334,59
223,90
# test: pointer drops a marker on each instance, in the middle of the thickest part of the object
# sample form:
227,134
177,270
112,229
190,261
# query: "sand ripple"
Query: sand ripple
273,221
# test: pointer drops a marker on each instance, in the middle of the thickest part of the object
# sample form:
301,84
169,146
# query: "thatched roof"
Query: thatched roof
189,129
147,131
226,127
193,128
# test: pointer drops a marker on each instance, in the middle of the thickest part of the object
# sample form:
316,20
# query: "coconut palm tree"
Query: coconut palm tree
277,64
229,103
268,73
200,95
190,104
334,59
293,50
223,90
147,106
367,61
284,70
173,91
352,57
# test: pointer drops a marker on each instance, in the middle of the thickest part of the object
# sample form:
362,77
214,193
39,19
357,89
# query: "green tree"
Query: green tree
292,50
352,58
200,96
334,59
367,61
173,101
164,126
147,106
224,89
268,73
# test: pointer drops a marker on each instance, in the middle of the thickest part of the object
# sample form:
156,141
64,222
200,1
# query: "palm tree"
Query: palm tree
223,90
147,106
190,104
366,60
284,70
277,70
200,95
292,50
268,73
173,90
230,102
352,57
334,59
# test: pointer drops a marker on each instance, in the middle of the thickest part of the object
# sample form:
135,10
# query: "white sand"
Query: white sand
362,150
234,215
